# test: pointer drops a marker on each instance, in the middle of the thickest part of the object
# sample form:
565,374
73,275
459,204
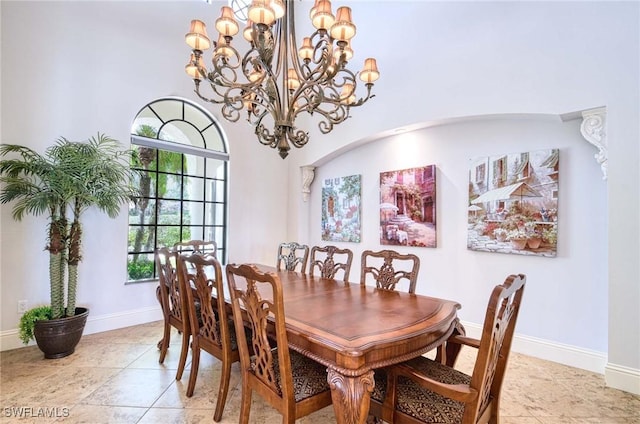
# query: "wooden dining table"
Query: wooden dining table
354,329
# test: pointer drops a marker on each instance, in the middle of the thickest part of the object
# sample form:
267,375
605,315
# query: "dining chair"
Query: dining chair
197,246
211,331
173,305
389,268
292,254
289,381
425,391
329,260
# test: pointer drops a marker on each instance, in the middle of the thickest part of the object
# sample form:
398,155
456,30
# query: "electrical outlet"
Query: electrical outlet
22,306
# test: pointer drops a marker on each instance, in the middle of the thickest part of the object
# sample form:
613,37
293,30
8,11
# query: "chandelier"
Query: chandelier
275,81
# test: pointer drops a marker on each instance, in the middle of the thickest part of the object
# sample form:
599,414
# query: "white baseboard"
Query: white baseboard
572,356
123,319
622,378
95,324
616,376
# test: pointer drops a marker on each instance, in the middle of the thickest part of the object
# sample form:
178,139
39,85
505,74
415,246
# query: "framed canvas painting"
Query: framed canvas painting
408,207
341,199
513,203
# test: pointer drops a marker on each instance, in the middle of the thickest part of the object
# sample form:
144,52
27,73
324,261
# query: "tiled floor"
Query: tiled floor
114,377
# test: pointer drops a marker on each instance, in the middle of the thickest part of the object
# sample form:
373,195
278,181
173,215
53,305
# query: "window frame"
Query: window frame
208,129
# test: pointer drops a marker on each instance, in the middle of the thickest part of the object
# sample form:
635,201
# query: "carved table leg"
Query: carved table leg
350,396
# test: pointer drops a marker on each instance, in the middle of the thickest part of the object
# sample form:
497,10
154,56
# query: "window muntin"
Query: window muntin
240,9
183,168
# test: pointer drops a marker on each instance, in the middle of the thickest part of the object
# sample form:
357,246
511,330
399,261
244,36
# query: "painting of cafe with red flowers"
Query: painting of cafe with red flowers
513,203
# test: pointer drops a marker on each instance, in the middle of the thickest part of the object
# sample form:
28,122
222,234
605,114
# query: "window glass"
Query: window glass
182,174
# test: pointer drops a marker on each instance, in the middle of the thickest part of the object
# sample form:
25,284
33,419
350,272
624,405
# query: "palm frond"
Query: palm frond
69,175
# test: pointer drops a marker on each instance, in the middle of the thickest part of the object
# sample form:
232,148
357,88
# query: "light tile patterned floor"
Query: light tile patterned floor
114,377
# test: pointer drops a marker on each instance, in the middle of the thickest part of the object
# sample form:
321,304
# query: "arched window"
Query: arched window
182,169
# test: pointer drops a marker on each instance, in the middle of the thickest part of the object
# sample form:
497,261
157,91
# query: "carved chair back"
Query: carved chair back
292,256
196,246
389,269
330,260
166,263
211,327
420,389
173,304
257,304
495,345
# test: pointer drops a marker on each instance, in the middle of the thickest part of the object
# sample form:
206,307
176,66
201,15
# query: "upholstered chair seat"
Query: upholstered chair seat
425,405
380,388
309,377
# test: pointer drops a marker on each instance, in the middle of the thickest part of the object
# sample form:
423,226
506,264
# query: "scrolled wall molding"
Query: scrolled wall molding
593,129
308,174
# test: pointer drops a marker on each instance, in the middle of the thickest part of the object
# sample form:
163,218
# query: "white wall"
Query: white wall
571,288
74,68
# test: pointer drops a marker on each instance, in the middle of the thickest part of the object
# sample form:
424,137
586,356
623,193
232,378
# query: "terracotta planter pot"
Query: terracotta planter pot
58,338
518,244
534,243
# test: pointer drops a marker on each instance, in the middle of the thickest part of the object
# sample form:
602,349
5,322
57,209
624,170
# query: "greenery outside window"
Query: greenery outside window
183,173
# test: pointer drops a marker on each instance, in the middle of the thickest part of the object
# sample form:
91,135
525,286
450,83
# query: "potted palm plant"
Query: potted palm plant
65,181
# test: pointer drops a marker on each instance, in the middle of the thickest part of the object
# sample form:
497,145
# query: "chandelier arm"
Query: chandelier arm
206,99
229,112
221,91
338,113
309,90
262,98
321,58
362,100
232,103
266,89
225,76
297,137
222,80
326,127
264,134
265,137
252,67
224,70
348,77
333,117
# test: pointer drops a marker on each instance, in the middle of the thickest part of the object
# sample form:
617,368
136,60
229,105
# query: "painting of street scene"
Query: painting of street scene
408,207
513,203
341,209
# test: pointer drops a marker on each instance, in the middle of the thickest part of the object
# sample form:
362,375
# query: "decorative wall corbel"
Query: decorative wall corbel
593,129
308,174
